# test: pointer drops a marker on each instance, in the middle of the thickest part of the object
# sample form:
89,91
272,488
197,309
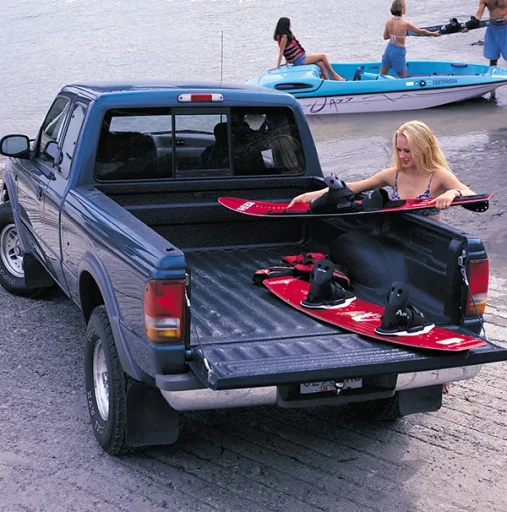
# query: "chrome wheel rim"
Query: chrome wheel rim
101,380
10,251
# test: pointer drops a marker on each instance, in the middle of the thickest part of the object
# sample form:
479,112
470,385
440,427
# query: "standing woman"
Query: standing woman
295,54
396,29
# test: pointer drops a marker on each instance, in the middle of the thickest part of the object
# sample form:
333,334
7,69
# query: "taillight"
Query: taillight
478,277
164,311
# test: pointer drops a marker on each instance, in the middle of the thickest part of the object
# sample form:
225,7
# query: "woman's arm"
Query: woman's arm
422,31
386,33
449,188
282,44
378,180
383,178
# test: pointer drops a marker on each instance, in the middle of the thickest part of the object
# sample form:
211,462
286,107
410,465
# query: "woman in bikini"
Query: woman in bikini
396,29
294,53
420,170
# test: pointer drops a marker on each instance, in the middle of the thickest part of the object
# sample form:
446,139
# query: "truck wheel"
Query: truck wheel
12,275
106,385
384,409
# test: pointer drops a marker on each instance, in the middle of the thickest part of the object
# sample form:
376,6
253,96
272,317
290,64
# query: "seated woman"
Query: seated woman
295,54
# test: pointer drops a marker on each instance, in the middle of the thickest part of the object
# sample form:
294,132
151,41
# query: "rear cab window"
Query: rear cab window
185,143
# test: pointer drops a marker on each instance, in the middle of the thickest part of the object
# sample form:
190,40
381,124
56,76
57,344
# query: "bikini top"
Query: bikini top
427,194
394,38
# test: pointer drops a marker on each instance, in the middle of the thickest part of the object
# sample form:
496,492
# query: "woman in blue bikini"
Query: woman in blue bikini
420,170
396,29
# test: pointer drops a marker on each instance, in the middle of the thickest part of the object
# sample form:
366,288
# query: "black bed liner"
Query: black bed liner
243,336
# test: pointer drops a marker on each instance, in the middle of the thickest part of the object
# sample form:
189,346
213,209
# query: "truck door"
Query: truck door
34,176
56,190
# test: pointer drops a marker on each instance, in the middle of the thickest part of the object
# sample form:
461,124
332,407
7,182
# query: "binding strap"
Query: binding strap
339,198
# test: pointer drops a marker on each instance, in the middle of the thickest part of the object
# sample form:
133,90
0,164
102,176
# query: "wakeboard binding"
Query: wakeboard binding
299,265
339,198
400,318
325,292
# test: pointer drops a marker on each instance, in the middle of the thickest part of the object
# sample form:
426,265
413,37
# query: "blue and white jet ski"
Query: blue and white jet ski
429,84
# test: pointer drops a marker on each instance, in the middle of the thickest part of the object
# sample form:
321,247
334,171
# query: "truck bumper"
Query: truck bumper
203,398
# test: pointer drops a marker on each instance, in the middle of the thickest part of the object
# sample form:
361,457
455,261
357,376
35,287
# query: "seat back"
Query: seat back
126,155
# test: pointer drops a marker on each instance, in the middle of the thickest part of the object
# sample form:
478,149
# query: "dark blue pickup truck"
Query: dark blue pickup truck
115,201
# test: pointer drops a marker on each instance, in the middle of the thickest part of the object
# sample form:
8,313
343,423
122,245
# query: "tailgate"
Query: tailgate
243,336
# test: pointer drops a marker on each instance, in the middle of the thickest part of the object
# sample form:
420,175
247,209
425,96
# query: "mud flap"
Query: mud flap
428,399
36,276
150,419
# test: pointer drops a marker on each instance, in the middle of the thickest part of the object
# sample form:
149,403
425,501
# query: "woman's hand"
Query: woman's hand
443,201
307,197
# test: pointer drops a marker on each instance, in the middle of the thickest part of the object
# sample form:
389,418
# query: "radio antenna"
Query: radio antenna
221,57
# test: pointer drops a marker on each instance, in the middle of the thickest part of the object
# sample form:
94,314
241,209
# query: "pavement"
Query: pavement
258,459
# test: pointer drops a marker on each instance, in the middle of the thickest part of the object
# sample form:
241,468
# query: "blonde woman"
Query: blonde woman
420,170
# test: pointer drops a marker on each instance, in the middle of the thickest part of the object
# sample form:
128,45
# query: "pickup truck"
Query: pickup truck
115,201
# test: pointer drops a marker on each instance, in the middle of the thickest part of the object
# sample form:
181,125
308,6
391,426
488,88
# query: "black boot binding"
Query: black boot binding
324,292
400,318
339,198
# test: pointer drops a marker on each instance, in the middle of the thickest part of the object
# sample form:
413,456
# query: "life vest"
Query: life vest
292,49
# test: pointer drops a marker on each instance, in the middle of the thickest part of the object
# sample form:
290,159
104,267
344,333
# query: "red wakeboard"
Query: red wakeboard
363,317
280,209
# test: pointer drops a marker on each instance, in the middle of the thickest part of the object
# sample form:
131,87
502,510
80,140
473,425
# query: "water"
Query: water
48,43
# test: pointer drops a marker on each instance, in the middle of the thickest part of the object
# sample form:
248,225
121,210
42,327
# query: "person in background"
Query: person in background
495,38
294,53
395,31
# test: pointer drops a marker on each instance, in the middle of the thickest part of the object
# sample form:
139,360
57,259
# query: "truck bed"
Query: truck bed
250,337
241,336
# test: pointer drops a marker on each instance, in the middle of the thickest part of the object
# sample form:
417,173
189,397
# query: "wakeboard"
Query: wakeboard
454,26
478,203
362,317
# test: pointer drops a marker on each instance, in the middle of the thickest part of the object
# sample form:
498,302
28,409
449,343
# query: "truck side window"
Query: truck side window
52,126
71,137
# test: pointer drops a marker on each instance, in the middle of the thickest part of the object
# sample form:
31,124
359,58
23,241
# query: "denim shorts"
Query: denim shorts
395,57
495,42
300,60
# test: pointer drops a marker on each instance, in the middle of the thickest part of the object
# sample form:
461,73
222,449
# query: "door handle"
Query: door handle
40,193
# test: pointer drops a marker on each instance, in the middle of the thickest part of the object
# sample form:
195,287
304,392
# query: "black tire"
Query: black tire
106,385
12,276
385,409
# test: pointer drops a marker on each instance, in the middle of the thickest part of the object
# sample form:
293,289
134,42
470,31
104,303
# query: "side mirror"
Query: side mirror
51,150
17,146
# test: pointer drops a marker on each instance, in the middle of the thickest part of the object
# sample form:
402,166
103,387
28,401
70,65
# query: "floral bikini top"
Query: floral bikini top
426,212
